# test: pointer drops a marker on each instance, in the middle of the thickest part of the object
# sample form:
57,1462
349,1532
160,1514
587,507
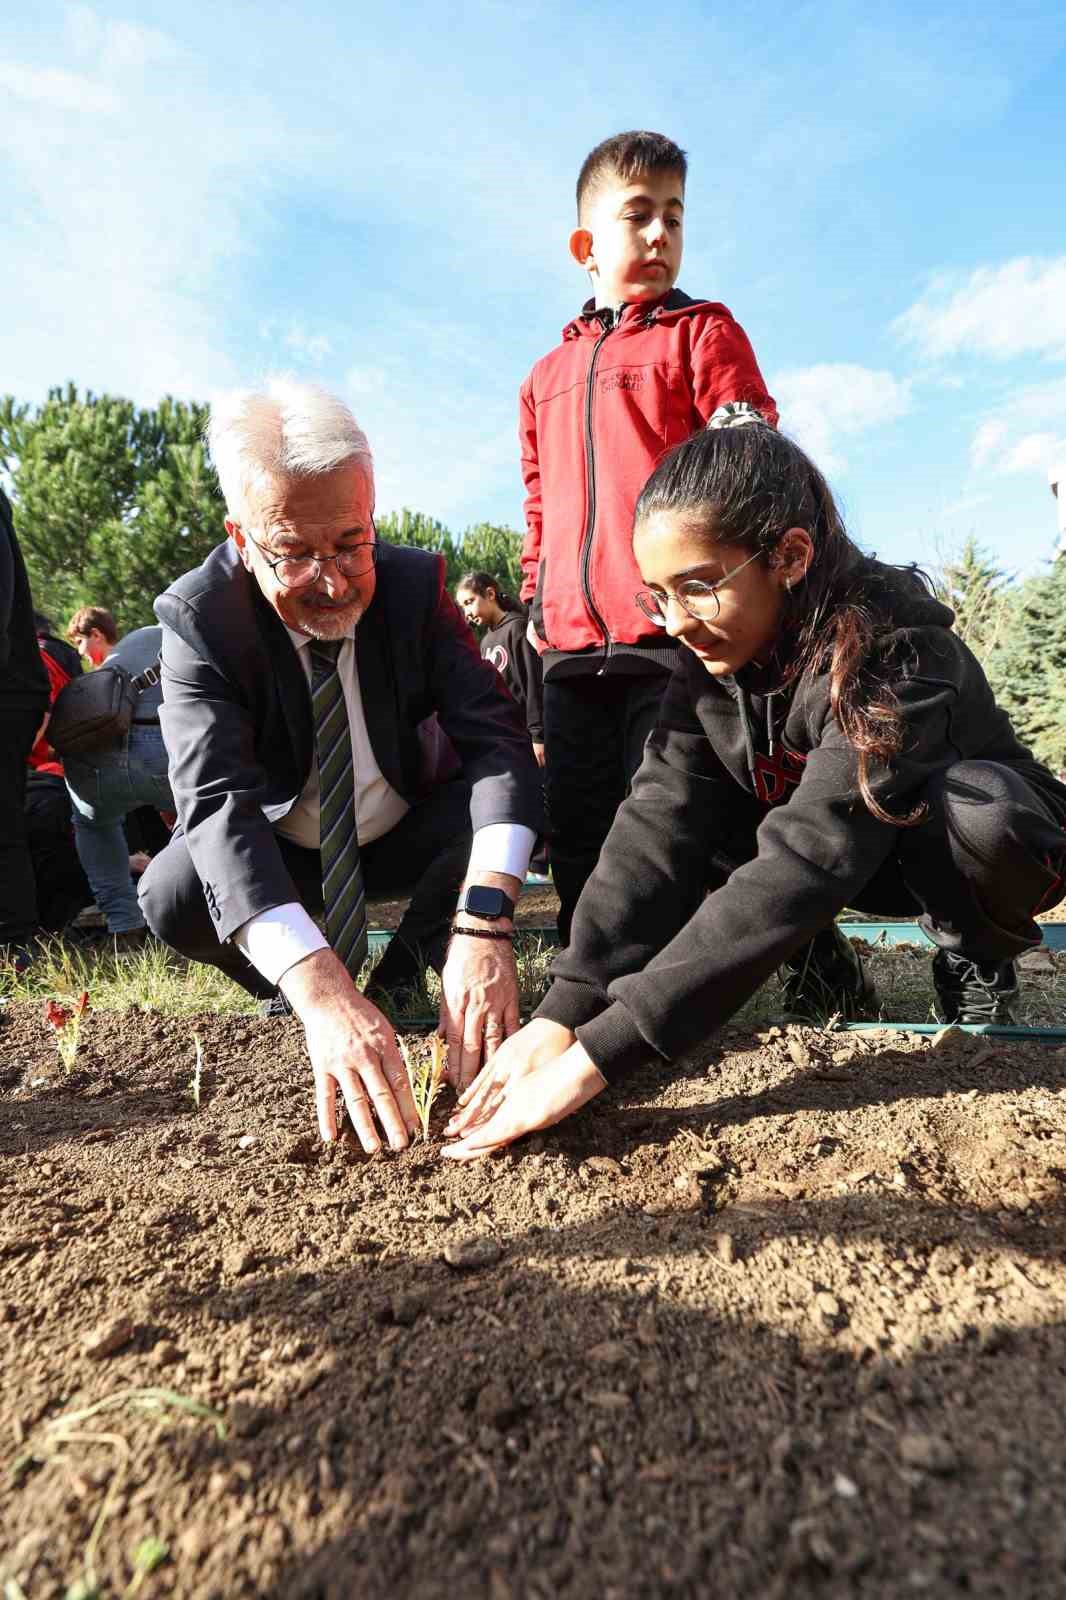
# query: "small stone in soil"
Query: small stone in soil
246,1141
611,1352
108,1337
495,1404
603,1166
608,1400
723,1244
406,1309
239,1259
166,1353
927,1452
303,1151
479,1251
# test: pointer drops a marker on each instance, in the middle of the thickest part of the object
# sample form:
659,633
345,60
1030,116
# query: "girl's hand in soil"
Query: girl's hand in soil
479,1003
533,1098
539,1041
352,1047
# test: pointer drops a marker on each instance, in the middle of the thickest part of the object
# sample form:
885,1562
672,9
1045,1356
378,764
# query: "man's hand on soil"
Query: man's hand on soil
479,1003
352,1047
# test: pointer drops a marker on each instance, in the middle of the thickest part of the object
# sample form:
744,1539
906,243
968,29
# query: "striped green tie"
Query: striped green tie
343,897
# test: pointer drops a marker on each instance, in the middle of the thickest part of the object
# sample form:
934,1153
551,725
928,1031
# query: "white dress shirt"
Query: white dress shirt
276,940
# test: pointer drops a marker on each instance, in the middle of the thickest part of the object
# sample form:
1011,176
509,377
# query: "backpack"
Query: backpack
93,713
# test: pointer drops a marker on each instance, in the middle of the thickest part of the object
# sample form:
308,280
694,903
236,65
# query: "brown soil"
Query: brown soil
788,1325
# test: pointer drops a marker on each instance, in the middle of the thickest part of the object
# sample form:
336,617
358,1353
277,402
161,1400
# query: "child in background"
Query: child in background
504,642
485,605
641,368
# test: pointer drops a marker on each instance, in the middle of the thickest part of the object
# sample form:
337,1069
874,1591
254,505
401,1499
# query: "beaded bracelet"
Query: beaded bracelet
482,933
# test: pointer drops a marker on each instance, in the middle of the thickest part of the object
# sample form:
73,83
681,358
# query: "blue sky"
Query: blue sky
379,197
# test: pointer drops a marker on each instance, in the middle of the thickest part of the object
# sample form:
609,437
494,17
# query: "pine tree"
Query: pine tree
978,593
1027,668
112,501
483,547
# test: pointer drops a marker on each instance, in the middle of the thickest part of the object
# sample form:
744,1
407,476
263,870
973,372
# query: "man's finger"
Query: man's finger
451,1025
359,1111
470,1064
494,1037
388,1112
326,1106
396,1075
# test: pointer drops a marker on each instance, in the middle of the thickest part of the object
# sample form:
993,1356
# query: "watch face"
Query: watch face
487,903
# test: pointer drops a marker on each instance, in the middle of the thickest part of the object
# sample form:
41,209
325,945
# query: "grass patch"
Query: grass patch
152,978
156,979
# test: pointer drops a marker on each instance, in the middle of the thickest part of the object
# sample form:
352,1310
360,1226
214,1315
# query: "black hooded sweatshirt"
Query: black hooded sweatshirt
23,680
518,664
655,963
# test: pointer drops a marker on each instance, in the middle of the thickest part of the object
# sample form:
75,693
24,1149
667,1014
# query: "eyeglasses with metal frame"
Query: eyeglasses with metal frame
299,572
699,599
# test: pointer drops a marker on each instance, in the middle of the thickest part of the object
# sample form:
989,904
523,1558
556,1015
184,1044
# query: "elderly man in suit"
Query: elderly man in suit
299,663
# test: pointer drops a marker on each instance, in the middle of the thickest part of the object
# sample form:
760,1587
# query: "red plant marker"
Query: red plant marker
65,1021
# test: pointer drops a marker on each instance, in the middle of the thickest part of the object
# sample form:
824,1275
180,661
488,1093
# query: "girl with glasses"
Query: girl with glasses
826,741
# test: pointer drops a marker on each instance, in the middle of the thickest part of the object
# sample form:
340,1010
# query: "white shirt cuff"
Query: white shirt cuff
277,939
502,847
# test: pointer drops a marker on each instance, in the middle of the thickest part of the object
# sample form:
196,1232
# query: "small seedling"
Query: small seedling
147,1555
55,1442
66,1023
197,1071
426,1075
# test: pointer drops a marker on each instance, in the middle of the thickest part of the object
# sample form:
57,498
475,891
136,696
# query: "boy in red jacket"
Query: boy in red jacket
642,368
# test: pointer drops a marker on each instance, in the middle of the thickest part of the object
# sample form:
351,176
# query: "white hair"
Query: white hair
284,429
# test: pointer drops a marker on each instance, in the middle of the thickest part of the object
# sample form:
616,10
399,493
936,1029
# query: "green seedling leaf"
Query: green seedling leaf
149,1554
426,1075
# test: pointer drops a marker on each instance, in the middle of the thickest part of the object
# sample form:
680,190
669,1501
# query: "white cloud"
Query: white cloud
987,441
441,447
1033,450
120,226
1011,439
1018,308
52,89
823,405
313,347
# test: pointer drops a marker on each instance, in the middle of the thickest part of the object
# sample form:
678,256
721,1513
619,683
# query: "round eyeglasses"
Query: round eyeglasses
297,572
698,599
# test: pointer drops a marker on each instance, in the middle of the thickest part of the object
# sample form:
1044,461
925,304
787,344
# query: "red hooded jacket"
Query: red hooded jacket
595,416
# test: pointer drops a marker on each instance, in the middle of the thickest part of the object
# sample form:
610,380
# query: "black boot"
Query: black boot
973,991
826,979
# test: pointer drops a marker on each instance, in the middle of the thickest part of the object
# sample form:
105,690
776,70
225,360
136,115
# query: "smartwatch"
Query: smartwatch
488,904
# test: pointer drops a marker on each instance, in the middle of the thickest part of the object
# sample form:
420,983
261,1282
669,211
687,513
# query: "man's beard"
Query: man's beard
327,623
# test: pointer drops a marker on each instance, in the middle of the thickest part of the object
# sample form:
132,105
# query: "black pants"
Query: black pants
18,889
425,855
62,887
594,734
990,855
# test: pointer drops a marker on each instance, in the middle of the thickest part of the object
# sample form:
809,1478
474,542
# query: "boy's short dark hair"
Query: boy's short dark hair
628,156
87,618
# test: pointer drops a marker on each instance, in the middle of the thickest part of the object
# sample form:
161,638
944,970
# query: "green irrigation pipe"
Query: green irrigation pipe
882,933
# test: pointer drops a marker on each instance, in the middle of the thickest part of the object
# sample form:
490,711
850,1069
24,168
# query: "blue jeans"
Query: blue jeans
103,789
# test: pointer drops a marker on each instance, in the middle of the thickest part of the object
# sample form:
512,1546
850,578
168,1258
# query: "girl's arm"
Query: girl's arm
815,853
655,866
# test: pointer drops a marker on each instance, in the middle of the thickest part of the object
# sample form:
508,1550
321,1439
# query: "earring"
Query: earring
788,585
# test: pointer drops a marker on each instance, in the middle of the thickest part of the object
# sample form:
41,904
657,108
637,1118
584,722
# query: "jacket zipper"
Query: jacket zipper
590,500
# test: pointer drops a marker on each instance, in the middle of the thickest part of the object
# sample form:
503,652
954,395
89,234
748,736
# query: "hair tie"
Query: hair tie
735,414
